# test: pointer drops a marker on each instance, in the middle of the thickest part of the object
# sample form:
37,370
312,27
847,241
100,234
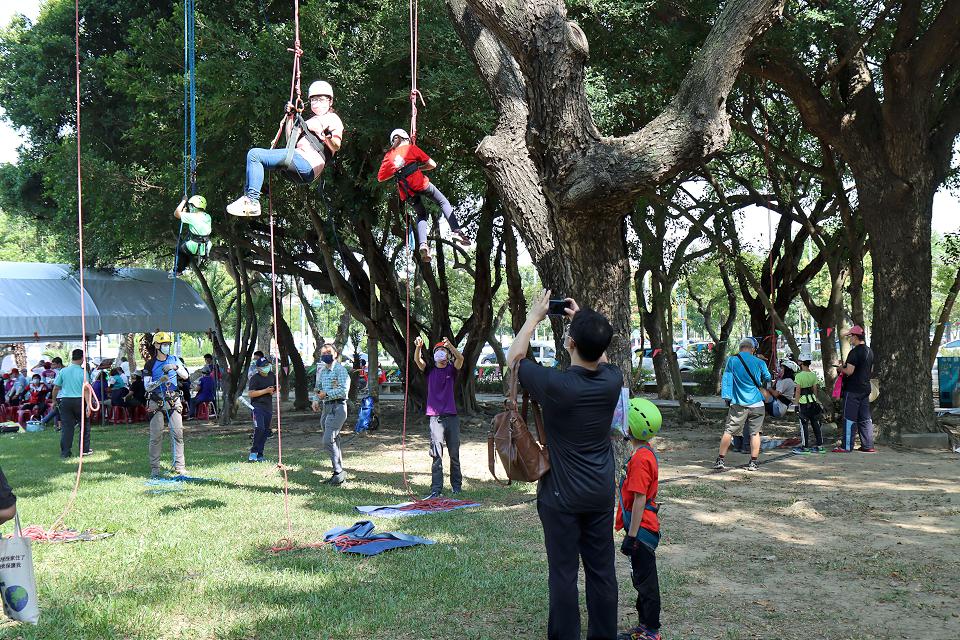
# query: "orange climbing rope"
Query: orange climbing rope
55,531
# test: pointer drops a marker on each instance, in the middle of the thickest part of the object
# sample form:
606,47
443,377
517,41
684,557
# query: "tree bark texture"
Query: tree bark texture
566,186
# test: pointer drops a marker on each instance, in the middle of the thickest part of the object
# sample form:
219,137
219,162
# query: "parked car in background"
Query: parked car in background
489,357
646,362
544,352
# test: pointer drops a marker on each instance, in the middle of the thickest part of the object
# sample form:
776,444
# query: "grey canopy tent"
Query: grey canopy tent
40,301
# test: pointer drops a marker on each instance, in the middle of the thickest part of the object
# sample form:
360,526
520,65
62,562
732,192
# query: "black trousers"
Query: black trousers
262,419
643,563
70,412
568,538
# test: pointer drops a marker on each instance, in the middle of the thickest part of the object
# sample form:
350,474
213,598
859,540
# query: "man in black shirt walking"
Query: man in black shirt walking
575,498
856,393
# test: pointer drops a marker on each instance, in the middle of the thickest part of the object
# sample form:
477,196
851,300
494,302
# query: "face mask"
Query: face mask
440,355
327,358
165,349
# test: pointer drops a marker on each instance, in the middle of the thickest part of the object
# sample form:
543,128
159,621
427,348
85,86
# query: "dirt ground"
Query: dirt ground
838,546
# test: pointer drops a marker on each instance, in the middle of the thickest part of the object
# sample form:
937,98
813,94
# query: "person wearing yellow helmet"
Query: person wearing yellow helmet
637,517
314,141
160,377
195,242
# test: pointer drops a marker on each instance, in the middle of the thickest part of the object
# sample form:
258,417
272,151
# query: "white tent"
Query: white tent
40,301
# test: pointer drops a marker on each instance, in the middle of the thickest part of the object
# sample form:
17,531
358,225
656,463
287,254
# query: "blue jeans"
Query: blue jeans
259,160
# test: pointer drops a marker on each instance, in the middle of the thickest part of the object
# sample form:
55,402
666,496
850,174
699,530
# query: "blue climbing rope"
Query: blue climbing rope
189,161
189,127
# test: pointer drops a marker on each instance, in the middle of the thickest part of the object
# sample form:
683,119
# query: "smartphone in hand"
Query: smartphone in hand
557,307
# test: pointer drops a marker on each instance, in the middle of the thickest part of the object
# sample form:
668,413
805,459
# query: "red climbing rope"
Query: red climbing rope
414,47
407,367
87,390
434,504
294,91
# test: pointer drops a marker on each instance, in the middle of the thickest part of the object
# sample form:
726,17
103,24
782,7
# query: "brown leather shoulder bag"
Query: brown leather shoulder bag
523,458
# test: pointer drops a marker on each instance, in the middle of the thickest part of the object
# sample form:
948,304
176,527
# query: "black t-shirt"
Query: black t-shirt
258,383
7,499
861,357
578,406
139,391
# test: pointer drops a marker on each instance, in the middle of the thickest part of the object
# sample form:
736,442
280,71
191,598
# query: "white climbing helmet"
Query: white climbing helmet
398,132
320,88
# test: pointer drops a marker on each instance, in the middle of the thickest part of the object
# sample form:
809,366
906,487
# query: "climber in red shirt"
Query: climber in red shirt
406,162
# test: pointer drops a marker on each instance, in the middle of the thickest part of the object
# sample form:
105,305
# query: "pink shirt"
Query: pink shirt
320,126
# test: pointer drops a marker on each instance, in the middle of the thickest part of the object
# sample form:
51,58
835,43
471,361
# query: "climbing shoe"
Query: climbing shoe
425,252
244,207
461,237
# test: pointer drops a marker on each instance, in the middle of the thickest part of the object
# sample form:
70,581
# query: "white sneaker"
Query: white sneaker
244,207
425,252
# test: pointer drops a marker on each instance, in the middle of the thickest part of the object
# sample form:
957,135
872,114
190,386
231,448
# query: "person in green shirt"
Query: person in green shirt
67,395
195,243
808,408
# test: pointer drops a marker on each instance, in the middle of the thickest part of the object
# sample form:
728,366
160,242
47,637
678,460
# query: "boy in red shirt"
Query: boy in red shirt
637,514
407,162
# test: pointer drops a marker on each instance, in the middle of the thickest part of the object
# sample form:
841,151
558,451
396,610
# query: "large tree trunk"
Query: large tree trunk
653,319
901,301
311,315
290,354
566,186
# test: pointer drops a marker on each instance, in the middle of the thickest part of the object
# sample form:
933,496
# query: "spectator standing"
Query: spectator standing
333,386
741,384
856,373
67,394
808,408
575,498
260,389
441,374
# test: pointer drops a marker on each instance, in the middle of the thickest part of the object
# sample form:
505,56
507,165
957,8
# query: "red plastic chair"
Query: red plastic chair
140,413
119,413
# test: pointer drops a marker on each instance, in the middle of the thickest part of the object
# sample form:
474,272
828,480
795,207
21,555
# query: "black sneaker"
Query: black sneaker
434,494
457,492
338,479
753,466
720,465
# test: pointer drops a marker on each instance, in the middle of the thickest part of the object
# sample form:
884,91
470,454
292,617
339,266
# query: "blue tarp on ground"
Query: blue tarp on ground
372,543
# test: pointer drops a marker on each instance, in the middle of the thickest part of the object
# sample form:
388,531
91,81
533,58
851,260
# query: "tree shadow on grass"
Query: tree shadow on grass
201,503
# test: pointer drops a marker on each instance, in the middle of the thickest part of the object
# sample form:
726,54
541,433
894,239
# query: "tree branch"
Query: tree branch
579,165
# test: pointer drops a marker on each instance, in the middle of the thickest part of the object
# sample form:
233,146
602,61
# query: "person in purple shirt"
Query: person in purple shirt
441,374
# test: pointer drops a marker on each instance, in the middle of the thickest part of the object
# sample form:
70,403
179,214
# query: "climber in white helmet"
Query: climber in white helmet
315,140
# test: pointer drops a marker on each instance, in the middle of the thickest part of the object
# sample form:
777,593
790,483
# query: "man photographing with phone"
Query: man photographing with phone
575,498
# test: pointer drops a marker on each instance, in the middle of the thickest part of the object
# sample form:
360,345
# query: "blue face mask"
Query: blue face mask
327,358
165,349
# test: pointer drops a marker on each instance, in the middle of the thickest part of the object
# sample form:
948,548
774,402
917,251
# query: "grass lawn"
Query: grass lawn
831,547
